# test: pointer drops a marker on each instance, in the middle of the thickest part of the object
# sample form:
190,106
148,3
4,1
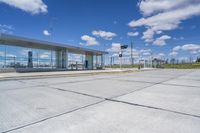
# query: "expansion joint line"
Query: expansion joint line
151,107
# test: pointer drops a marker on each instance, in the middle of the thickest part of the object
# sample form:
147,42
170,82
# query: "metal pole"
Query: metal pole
51,59
37,61
5,57
131,53
120,59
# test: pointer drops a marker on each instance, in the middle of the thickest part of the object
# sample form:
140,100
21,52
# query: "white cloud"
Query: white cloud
192,48
177,48
133,34
115,47
161,41
90,41
8,29
164,15
159,56
46,33
148,35
179,38
31,6
173,53
104,34
149,7
145,52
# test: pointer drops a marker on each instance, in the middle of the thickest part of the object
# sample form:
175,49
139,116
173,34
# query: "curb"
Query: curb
62,75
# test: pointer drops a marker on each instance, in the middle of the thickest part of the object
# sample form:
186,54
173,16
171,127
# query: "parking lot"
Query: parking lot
154,101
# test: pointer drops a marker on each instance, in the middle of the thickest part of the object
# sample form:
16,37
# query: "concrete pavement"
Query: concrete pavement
156,101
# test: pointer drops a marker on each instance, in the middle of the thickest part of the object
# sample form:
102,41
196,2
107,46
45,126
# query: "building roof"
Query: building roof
39,44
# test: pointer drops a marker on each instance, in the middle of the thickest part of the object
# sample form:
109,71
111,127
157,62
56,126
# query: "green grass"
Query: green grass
176,66
182,66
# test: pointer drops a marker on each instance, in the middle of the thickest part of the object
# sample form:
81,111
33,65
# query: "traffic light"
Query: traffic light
124,46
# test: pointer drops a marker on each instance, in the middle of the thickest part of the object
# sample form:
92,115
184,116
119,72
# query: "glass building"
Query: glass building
27,54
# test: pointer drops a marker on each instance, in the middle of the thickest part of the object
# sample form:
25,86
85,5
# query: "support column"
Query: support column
61,58
102,61
58,59
89,61
30,59
97,61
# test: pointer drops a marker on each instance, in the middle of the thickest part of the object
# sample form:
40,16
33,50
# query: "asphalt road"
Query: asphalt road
156,101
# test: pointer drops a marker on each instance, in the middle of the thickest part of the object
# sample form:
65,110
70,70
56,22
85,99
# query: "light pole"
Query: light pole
131,53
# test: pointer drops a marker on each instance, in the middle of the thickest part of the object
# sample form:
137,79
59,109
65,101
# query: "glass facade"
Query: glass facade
76,61
22,57
17,57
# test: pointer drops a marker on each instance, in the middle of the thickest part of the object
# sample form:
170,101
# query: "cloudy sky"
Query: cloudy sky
156,27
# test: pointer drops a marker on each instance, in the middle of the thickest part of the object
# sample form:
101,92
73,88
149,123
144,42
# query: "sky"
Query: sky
159,28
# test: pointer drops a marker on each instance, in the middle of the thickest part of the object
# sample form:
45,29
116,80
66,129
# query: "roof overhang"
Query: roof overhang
39,44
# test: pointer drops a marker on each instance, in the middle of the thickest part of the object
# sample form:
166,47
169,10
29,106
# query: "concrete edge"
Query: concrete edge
63,75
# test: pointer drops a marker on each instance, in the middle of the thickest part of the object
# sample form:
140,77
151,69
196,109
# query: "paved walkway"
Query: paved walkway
157,101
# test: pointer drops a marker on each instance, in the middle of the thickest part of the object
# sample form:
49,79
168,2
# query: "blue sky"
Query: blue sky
162,28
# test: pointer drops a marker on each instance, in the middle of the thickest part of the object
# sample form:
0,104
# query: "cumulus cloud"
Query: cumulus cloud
149,7
164,15
145,52
30,6
89,41
159,55
173,53
104,34
115,47
133,34
192,48
8,29
46,33
161,41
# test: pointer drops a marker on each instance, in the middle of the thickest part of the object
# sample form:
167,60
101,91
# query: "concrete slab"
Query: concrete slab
174,98
192,76
183,82
133,78
110,117
24,106
8,85
103,88
46,105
